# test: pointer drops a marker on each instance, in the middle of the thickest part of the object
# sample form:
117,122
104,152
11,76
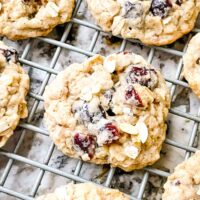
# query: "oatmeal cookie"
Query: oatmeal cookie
154,22
14,84
21,19
84,191
184,183
191,62
109,111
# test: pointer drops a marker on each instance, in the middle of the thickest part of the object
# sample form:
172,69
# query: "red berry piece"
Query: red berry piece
177,182
160,7
133,97
108,134
124,52
85,143
143,76
114,132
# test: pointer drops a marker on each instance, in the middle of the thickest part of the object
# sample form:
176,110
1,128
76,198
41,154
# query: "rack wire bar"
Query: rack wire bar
49,70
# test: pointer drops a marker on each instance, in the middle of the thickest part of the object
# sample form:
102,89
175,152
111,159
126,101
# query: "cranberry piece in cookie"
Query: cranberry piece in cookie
108,134
133,97
160,7
85,143
114,133
143,76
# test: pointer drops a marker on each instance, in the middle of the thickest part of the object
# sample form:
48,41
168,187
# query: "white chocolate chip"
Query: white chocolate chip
110,64
52,9
85,157
86,94
198,191
128,128
167,20
4,126
143,131
61,193
86,97
0,6
131,151
96,88
6,80
121,2
117,25
126,110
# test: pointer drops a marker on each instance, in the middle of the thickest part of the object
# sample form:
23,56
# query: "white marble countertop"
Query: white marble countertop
35,146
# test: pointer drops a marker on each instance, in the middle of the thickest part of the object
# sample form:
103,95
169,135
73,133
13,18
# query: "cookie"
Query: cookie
21,19
14,84
191,61
154,22
109,111
184,183
84,191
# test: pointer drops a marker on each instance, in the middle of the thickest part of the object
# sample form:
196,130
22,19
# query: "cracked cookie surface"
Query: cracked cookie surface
154,22
109,110
191,61
21,19
184,183
84,191
14,84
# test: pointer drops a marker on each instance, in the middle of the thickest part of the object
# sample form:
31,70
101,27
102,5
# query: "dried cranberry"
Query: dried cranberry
179,2
177,182
143,76
108,133
85,143
160,7
133,97
9,54
112,129
124,52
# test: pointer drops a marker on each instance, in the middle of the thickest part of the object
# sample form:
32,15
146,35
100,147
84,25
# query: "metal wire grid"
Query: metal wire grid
38,97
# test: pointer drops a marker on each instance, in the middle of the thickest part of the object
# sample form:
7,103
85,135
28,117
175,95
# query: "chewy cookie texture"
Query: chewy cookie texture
184,183
21,19
14,84
84,191
191,62
109,110
154,22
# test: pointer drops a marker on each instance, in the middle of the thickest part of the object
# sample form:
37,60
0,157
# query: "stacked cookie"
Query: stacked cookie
107,110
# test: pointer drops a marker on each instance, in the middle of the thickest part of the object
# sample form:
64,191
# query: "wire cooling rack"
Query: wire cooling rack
44,166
